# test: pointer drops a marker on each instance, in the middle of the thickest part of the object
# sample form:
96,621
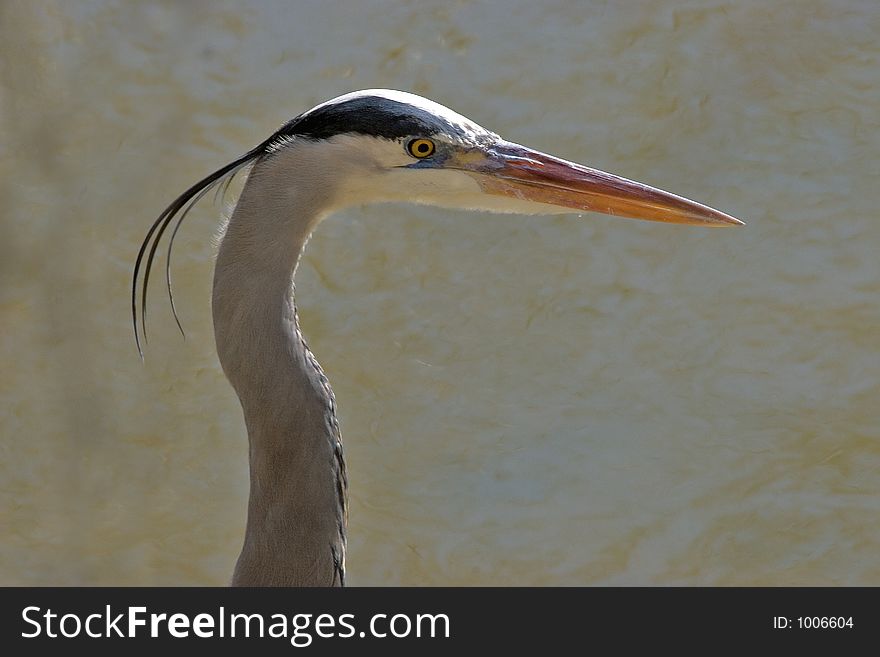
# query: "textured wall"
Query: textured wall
523,400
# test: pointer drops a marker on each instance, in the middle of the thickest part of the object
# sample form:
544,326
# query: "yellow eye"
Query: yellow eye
421,148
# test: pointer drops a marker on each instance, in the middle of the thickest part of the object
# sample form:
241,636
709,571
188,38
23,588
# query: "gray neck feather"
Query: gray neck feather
295,532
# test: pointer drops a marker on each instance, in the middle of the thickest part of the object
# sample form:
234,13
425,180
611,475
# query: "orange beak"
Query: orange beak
512,170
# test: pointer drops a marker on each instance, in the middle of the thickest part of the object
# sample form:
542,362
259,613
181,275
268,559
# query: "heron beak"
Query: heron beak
512,170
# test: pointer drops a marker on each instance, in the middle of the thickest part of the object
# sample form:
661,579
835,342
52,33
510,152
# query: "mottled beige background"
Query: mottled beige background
524,400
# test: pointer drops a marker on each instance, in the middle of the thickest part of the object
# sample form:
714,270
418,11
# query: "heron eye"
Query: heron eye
421,148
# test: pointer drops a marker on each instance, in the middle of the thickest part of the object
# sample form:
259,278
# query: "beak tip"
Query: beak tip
712,217
733,221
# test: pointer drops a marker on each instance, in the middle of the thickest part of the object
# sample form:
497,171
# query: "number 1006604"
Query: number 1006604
813,622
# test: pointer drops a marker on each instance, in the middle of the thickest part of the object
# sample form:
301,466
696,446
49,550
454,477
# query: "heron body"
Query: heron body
365,147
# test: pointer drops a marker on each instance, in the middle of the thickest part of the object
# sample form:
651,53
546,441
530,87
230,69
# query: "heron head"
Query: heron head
387,145
381,145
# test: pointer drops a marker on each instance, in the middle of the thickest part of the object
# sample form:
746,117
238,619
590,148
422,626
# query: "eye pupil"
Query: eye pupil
423,147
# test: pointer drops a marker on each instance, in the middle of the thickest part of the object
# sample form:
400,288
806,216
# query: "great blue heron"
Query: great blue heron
364,147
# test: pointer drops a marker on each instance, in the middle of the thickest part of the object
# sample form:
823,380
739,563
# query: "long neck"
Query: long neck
295,532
